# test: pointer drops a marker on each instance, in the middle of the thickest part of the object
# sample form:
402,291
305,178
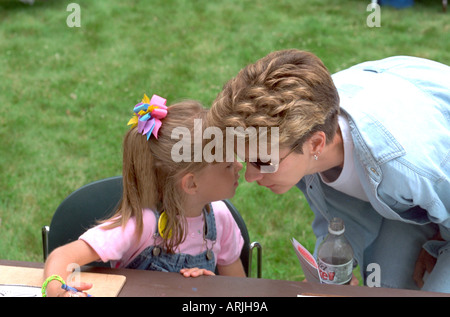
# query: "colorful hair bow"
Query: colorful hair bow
148,114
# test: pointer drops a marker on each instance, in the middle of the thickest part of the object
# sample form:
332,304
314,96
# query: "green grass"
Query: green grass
66,93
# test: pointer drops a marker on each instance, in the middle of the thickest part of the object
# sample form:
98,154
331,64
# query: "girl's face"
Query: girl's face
218,181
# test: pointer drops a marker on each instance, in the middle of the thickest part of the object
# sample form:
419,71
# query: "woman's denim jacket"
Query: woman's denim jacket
399,115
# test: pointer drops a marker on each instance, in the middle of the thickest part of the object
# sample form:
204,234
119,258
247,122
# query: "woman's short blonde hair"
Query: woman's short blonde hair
289,89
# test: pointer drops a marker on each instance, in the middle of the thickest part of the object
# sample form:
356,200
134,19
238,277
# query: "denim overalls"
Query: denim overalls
155,258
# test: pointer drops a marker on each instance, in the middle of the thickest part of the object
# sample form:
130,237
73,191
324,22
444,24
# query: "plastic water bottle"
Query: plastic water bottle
335,255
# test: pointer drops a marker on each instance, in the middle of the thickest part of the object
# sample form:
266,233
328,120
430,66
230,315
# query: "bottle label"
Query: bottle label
335,274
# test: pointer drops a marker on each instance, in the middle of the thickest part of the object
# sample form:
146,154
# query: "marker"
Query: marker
71,289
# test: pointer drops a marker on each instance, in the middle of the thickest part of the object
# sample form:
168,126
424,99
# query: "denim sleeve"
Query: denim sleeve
416,198
435,247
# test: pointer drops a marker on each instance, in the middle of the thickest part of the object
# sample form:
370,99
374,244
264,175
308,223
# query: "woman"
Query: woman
370,144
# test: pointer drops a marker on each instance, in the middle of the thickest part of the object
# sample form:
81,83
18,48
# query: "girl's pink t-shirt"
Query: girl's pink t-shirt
121,246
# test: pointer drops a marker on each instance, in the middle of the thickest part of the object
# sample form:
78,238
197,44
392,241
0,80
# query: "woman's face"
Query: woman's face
290,170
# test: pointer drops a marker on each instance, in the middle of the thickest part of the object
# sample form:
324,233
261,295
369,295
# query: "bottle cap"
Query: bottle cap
336,226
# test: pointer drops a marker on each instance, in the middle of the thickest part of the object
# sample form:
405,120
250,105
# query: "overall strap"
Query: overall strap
210,223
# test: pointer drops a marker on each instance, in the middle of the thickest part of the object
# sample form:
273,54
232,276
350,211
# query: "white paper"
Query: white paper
19,291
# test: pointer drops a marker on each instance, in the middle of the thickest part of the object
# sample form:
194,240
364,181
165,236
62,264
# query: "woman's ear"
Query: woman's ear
188,184
317,142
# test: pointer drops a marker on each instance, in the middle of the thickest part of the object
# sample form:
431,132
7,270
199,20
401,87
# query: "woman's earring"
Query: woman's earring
316,156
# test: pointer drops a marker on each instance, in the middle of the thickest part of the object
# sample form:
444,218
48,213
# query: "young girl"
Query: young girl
171,217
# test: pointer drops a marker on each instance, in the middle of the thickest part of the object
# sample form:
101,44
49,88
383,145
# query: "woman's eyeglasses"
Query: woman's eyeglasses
269,167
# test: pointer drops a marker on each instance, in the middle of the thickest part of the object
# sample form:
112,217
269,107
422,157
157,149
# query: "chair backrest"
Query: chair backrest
82,209
245,253
95,201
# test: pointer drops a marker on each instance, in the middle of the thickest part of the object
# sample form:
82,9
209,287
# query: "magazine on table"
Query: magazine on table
307,261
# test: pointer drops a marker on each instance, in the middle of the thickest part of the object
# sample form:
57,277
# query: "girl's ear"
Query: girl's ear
188,184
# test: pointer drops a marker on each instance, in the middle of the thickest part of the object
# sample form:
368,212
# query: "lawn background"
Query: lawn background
66,93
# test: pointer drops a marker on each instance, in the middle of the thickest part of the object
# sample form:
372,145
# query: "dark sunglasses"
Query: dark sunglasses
270,167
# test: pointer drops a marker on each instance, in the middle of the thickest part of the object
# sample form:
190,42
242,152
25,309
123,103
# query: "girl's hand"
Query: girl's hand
80,287
54,289
194,272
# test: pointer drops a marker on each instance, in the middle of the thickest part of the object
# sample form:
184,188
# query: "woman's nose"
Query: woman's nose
252,173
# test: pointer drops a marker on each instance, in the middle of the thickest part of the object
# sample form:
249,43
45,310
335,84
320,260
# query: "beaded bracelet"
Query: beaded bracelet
64,286
48,280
